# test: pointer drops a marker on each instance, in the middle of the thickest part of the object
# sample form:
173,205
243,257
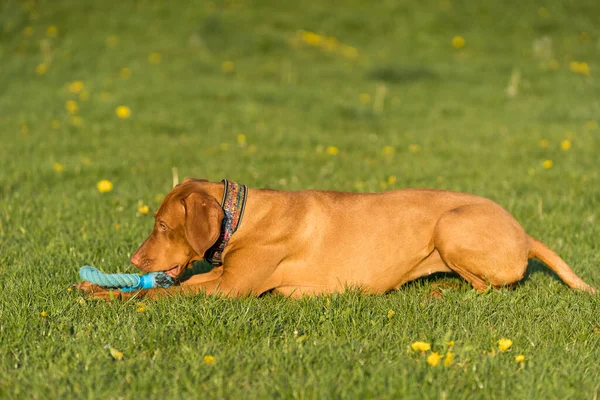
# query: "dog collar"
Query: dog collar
233,204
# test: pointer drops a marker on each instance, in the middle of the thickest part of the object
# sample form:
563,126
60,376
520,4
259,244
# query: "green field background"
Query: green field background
496,98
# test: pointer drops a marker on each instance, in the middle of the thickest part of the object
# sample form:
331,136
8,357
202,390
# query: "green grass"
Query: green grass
292,101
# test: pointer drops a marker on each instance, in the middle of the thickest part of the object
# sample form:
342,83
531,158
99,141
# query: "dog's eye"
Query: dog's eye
163,227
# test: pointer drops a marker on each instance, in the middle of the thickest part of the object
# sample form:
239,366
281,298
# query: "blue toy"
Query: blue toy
126,282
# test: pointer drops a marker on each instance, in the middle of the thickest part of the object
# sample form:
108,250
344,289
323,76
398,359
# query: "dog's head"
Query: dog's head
187,223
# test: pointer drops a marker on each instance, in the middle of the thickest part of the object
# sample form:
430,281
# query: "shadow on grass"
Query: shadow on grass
401,74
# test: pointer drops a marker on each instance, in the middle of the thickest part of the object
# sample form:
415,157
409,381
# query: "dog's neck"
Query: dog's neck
233,204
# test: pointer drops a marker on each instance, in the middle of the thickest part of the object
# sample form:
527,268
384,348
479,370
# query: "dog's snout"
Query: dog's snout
135,259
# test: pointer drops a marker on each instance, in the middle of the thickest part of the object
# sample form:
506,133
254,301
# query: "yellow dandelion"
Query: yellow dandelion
581,68
104,186
520,358
391,313
71,106
55,124
544,143
332,150
547,164
141,309
116,354
125,73
24,129
52,31
349,52
28,31
311,38
154,58
388,150
458,42
504,344
434,359
241,139
228,66
450,344
123,112
391,180
43,314
76,120
209,360
58,167
420,346
69,290
448,359
565,144
112,41
41,69
365,98
117,227
75,87
414,148
143,208
330,44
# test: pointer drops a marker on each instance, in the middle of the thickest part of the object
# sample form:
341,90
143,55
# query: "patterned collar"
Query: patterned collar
233,203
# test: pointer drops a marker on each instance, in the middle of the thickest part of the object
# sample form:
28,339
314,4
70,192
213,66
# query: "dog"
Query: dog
313,242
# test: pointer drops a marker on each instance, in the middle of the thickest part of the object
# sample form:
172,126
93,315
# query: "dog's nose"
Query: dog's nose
135,259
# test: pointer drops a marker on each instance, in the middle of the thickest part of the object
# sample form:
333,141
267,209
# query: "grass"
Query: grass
430,115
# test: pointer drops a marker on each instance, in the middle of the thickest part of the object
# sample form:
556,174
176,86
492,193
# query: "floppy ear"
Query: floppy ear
203,217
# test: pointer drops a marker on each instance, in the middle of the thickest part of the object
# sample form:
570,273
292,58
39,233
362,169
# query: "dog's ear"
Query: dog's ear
203,217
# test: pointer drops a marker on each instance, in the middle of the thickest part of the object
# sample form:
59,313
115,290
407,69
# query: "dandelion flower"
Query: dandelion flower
547,164
141,309
123,112
391,313
450,343
71,106
448,359
209,360
228,67
504,344
52,31
154,58
391,180
458,42
104,186
520,358
420,346
565,144
41,69
311,38
332,150
75,87
143,208
43,314
241,139
58,167
581,68
388,150
434,359
116,354
125,73
365,98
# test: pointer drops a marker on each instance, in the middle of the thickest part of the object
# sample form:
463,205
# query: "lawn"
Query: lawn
500,99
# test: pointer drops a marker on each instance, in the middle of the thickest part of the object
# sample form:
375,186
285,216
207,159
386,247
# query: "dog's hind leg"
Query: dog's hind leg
484,244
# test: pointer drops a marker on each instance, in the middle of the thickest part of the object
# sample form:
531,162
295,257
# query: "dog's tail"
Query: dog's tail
543,253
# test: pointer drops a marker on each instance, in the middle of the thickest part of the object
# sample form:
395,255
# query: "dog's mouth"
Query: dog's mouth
175,271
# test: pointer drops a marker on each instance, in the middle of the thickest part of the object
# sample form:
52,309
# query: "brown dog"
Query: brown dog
312,242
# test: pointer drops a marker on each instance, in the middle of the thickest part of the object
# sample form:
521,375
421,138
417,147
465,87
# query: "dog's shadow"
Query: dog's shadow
534,266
